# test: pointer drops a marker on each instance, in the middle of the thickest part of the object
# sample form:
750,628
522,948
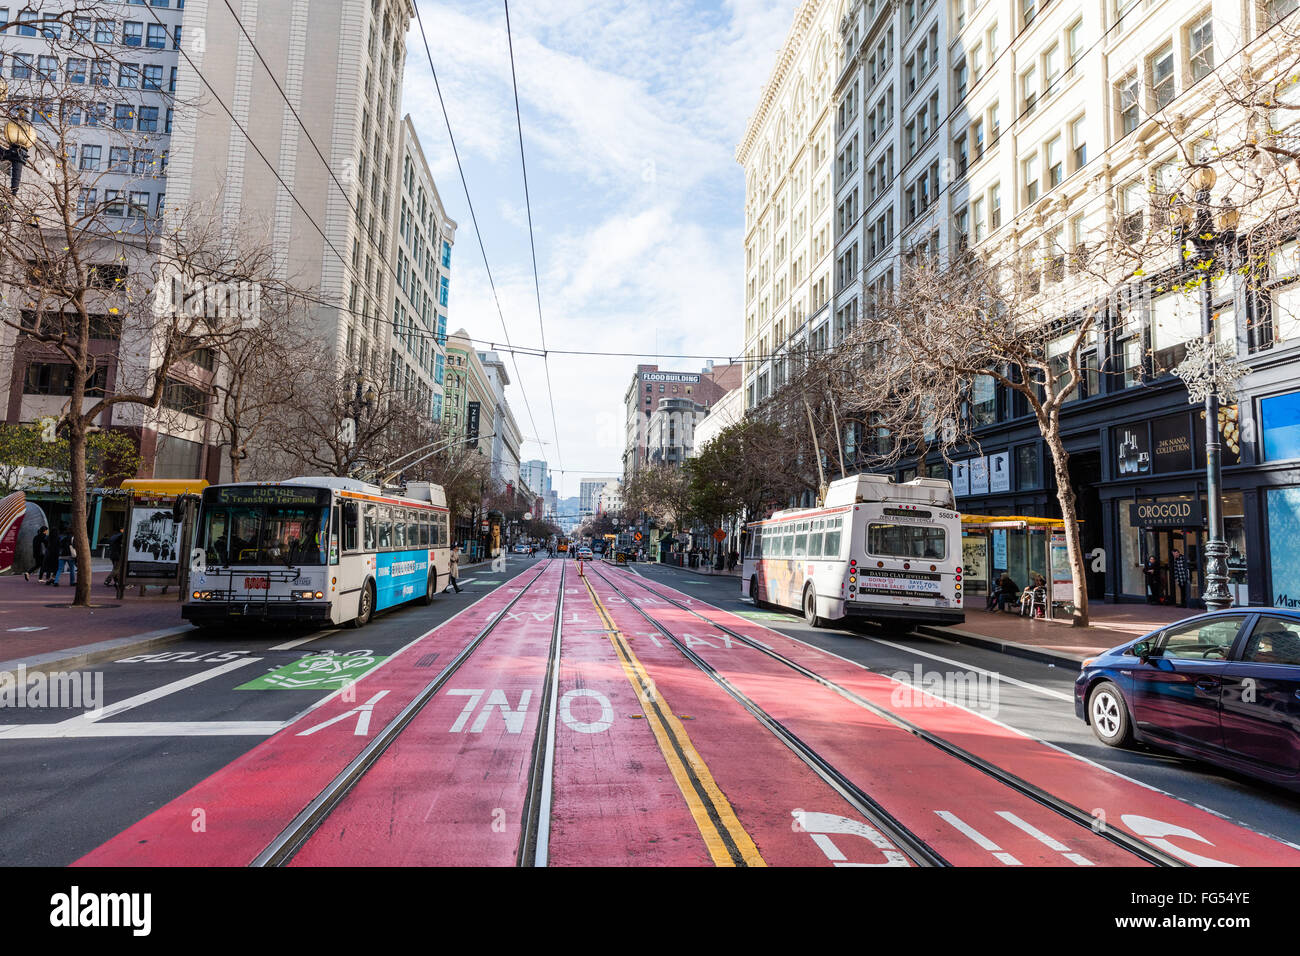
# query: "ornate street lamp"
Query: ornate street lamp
19,138
1210,370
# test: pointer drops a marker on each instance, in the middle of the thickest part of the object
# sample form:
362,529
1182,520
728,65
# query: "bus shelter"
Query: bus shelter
1019,546
157,528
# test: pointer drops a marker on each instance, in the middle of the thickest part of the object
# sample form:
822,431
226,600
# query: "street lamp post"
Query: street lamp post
1210,370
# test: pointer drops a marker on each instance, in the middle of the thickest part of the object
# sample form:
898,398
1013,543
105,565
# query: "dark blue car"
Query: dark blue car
1223,687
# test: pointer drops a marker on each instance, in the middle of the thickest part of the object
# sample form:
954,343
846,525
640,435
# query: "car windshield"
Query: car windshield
264,535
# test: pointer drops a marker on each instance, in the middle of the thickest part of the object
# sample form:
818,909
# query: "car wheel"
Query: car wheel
366,609
810,608
1108,715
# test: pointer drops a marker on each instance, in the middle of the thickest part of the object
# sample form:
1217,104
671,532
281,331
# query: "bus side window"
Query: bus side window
424,533
385,522
399,527
443,535
371,538
350,515
832,546
815,539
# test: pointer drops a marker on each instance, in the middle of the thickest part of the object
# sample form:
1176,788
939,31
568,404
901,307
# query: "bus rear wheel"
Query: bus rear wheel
810,608
431,589
366,609
753,592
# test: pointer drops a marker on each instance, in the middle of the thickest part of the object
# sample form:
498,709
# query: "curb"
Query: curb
703,574
88,654
1040,654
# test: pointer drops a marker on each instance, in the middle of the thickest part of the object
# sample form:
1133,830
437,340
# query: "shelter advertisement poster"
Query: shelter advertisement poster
153,544
1062,579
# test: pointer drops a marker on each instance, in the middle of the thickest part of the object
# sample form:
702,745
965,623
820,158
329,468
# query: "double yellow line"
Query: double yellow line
723,834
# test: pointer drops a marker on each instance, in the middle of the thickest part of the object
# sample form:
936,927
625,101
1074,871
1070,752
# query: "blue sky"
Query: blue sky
631,116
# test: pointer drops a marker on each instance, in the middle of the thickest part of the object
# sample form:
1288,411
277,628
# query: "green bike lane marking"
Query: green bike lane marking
326,671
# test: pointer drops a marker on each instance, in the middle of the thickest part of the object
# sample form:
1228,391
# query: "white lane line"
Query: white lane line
149,696
983,842
1050,842
290,645
1047,691
79,727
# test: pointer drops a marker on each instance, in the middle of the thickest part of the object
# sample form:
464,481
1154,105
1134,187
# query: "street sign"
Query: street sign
637,536
719,536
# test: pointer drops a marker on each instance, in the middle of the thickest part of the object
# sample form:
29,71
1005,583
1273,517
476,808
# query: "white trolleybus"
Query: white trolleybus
879,550
316,550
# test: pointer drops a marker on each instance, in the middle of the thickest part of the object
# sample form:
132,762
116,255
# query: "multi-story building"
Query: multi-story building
1032,131
319,168
788,154
610,499
650,385
102,83
727,411
425,235
535,474
670,438
506,437
589,495
468,396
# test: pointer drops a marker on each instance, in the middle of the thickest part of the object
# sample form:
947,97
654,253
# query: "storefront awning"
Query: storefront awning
1017,522
164,487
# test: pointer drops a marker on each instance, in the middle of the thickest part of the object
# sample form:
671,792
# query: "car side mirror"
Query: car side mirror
1142,649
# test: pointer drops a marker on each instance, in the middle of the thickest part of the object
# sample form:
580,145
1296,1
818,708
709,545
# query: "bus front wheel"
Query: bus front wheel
366,609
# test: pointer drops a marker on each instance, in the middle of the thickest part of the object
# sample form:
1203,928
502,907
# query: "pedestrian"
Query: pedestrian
39,544
114,555
1008,590
1155,588
1181,575
51,562
733,559
67,558
454,572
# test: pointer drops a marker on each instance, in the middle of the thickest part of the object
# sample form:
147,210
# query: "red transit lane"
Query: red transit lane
450,790
791,815
230,817
967,817
1185,832
616,801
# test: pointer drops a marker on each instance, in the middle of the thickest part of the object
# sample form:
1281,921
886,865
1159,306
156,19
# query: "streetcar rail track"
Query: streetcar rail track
912,846
293,837
1075,814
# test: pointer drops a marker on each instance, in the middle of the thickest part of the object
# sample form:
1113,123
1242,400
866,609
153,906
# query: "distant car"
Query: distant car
1223,687
584,554
522,549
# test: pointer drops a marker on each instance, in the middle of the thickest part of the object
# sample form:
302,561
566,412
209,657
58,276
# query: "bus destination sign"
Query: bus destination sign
281,496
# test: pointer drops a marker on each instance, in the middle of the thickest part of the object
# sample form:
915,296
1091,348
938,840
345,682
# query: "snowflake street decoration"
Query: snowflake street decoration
1211,367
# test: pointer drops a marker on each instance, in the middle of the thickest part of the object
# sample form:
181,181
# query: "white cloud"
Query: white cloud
631,115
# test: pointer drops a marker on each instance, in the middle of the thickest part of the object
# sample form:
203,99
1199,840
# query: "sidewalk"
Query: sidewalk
39,630
1057,641
708,572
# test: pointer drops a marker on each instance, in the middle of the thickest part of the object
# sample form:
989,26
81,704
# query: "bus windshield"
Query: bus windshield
261,535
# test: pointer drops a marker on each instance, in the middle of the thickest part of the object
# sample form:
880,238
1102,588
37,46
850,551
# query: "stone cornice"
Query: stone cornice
794,40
